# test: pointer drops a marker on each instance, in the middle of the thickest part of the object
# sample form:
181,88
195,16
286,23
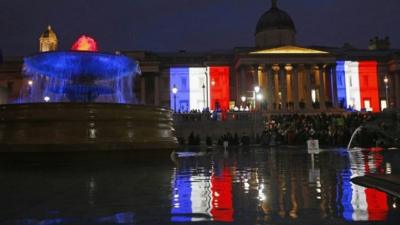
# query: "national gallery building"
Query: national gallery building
275,75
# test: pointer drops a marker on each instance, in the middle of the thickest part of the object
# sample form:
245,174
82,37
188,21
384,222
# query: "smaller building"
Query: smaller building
48,41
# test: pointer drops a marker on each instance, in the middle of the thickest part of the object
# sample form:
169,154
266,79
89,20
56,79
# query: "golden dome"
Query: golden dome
49,33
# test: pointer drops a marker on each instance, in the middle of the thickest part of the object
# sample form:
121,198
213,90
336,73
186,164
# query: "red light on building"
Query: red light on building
85,43
368,75
219,88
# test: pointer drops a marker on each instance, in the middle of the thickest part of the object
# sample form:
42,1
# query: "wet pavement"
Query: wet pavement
243,186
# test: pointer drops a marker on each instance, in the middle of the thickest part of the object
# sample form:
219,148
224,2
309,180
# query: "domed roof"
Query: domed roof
49,33
275,18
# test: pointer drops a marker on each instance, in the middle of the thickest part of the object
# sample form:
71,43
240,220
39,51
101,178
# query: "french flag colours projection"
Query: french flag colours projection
357,85
199,87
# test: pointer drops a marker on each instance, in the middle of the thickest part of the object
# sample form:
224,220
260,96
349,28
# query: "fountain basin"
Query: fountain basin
55,127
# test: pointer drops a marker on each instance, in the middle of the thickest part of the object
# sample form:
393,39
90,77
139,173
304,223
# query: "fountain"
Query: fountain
356,131
382,130
82,100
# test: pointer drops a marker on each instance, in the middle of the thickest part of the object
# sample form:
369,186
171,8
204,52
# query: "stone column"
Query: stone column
295,92
307,78
397,88
256,79
3,94
322,96
156,90
283,86
142,90
275,88
238,101
264,84
270,91
382,72
242,82
334,92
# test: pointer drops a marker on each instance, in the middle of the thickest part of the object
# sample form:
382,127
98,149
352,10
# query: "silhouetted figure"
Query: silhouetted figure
209,141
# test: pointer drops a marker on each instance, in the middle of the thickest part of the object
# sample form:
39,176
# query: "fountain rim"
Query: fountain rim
82,104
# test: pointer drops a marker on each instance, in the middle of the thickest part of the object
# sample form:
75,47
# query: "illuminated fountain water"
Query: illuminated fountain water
80,75
82,100
356,131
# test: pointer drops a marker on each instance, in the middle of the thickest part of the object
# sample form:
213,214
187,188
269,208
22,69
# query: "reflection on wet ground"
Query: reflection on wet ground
242,186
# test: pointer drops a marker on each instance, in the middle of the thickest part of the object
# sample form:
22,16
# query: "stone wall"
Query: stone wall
202,124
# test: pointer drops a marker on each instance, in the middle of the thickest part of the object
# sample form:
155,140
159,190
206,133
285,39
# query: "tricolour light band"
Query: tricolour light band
357,85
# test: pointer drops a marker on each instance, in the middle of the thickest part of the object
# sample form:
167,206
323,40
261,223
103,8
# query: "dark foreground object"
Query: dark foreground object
386,183
74,127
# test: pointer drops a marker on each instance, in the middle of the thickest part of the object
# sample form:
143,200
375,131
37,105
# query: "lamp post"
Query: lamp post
174,91
206,86
243,98
204,96
386,81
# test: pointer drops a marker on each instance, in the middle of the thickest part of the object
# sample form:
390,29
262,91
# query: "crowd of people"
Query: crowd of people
295,129
330,130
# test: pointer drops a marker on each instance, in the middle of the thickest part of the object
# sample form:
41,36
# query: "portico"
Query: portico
291,79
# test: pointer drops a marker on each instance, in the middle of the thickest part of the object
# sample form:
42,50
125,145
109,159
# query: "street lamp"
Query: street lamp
204,96
207,86
386,81
46,98
174,91
212,83
243,98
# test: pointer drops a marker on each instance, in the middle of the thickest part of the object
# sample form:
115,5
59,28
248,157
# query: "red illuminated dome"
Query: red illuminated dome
85,43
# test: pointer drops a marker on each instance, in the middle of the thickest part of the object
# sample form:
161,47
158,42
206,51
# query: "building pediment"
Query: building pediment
289,49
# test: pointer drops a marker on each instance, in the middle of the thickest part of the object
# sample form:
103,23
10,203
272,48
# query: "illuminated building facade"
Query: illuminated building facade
290,78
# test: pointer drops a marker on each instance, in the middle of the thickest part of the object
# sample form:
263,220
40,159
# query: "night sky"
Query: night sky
194,25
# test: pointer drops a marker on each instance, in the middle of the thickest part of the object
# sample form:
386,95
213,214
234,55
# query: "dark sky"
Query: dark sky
194,25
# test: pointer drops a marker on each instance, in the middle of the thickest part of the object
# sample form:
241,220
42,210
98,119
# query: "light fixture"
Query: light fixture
243,98
174,90
30,82
46,98
386,80
257,89
212,82
259,97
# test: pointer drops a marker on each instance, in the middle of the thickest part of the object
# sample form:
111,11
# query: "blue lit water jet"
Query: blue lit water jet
79,76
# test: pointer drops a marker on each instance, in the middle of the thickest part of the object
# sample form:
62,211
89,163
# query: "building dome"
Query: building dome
274,28
49,33
274,19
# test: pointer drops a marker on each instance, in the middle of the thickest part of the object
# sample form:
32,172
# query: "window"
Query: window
183,83
367,105
383,105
